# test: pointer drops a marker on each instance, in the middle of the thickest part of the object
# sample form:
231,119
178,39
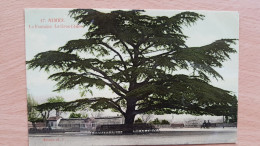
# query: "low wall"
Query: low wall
47,130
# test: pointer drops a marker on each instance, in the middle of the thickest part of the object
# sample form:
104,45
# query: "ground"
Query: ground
165,137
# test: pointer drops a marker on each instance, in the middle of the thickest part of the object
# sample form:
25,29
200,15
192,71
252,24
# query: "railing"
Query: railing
226,125
123,128
49,130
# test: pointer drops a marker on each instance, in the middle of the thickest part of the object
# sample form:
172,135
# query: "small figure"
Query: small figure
208,124
204,124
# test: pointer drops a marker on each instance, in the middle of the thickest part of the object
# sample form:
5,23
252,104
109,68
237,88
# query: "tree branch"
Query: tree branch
93,100
109,79
119,55
110,85
117,106
149,46
127,49
114,89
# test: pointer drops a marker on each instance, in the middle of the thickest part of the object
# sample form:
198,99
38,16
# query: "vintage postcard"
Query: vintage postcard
131,77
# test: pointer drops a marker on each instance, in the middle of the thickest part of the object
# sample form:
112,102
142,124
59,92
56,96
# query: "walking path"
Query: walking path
167,136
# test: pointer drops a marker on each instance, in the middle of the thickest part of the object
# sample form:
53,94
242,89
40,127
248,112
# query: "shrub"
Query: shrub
138,120
156,121
75,115
165,122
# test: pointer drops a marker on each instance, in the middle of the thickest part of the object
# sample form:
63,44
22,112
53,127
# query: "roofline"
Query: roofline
107,117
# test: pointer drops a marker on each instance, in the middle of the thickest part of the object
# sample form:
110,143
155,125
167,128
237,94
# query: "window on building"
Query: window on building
93,124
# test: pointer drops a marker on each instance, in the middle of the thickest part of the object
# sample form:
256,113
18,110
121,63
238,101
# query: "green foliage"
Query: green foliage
137,57
55,99
156,121
78,115
165,122
33,119
53,103
75,115
56,103
33,114
139,120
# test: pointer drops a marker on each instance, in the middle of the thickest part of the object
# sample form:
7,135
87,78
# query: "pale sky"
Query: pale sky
216,25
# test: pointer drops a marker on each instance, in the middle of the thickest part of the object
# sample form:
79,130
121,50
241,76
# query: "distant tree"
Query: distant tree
31,103
45,112
137,56
57,99
75,115
232,113
53,103
33,114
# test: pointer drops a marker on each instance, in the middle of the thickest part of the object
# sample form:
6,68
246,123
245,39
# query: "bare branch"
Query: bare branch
149,46
128,50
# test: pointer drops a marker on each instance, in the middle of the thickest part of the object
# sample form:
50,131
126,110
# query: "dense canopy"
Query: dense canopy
138,57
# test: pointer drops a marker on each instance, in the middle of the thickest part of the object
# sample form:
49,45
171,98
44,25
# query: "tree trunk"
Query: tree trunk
129,117
57,112
129,121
